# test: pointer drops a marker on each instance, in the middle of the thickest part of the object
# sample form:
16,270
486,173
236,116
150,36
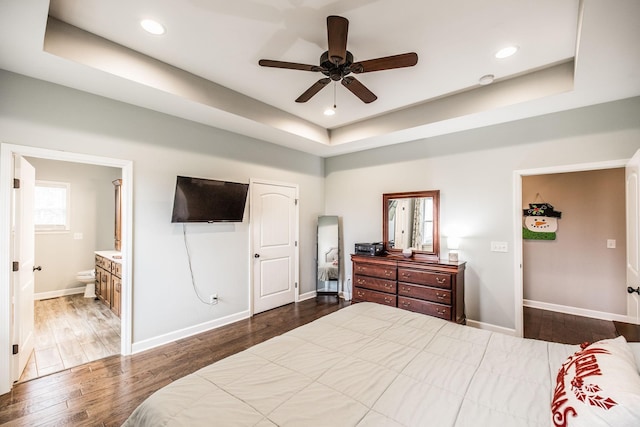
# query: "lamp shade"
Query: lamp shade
453,242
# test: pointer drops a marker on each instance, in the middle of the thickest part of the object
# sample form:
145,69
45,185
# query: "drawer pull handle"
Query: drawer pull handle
360,281
407,275
406,304
441,281
360,294
387,300
387,273
407,290
440,311
439,296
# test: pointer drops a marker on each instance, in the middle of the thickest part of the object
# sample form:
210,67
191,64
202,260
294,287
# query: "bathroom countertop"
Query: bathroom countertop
115,256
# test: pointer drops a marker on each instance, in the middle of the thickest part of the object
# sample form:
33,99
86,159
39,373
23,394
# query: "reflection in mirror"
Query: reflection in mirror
328,256
411,223
410,220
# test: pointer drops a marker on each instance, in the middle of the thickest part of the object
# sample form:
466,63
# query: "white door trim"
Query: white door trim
517,223
6,184
297,238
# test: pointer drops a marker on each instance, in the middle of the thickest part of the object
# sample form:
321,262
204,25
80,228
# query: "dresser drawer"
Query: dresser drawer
117,269
360,295
425,307
422,277
441,296
375,284
375,271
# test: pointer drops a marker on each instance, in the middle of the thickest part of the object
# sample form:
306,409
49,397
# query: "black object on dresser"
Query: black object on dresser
431,287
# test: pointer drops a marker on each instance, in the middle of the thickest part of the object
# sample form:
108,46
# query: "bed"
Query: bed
328,268
373,365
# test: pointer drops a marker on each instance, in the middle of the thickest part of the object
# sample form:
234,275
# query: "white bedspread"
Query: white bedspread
369,365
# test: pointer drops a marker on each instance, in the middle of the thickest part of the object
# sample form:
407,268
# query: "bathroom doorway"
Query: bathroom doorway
8,368
74,218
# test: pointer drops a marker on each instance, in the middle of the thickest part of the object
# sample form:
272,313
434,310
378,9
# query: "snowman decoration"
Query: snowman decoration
540,222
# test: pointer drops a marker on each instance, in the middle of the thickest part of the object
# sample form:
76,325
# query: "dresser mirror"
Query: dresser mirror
411,220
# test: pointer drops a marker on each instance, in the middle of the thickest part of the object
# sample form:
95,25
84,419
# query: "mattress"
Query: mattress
370,365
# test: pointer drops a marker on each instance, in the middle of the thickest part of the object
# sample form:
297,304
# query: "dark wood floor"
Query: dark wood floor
570,329
105,392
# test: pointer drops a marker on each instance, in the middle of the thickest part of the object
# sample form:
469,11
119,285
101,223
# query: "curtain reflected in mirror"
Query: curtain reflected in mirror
328,255
411,223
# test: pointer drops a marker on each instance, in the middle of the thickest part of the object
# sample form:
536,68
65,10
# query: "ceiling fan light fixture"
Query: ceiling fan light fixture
152,27
506,52
330,111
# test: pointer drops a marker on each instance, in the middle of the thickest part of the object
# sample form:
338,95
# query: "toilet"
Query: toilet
88,277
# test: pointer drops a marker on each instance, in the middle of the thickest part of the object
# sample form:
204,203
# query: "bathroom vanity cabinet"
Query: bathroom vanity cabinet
109,279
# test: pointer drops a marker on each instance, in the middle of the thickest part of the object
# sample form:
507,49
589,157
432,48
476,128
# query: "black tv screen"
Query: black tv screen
208,200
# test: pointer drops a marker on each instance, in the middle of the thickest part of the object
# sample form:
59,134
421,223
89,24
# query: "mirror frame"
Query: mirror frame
426,255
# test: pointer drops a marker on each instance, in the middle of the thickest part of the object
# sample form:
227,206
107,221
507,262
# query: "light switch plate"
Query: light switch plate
611,243
499,247
77,236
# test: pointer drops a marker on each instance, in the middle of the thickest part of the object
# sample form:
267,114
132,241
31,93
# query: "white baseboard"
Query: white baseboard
306,296
187,332
59,293
576,311
491,327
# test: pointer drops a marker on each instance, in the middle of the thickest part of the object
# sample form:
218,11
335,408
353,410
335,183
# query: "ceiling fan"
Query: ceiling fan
337,63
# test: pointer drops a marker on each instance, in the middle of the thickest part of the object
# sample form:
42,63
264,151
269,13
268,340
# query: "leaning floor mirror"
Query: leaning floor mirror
328,256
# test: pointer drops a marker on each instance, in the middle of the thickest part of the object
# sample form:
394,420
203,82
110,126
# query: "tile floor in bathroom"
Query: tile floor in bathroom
70,331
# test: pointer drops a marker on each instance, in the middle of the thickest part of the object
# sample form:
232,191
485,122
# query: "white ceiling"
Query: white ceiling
207,62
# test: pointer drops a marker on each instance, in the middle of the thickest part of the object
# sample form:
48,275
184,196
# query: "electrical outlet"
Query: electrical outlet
213,299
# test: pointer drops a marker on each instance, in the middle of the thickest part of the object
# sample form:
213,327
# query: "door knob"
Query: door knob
256,255
39,268
631,290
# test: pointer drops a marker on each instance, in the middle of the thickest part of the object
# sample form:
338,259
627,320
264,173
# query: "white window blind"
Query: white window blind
51,206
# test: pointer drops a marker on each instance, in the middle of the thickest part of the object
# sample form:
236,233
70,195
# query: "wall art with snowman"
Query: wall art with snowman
540,222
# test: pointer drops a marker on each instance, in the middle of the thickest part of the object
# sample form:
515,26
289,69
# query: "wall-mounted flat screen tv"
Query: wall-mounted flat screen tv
208,200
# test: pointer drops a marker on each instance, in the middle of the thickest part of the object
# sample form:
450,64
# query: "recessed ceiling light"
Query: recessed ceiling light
152,27
329,111
506,52
486,79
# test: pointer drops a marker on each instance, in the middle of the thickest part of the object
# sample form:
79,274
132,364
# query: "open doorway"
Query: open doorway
8,370
519,243
74,214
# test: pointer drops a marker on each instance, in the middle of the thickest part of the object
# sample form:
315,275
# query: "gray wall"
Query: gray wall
577,269
474,171
92,214
41,114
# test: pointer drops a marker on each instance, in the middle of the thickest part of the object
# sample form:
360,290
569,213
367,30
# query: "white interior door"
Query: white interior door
274,235
24,254
632,188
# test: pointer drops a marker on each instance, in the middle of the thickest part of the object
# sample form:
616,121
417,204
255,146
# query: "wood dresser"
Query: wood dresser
435,288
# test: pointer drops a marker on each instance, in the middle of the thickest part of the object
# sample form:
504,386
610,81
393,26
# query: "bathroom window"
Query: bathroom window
51,206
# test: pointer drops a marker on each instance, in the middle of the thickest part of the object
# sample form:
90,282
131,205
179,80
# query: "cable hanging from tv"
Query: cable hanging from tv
193,280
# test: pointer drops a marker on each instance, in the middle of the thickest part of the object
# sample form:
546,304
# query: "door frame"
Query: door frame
296,278
6,186
517,223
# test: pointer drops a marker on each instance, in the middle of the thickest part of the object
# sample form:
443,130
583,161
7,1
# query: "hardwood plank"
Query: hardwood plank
629,331
105,392
565,328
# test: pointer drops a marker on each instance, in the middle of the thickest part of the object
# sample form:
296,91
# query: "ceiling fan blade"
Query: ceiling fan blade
288,65
337,28
358,89
315,88
386,63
